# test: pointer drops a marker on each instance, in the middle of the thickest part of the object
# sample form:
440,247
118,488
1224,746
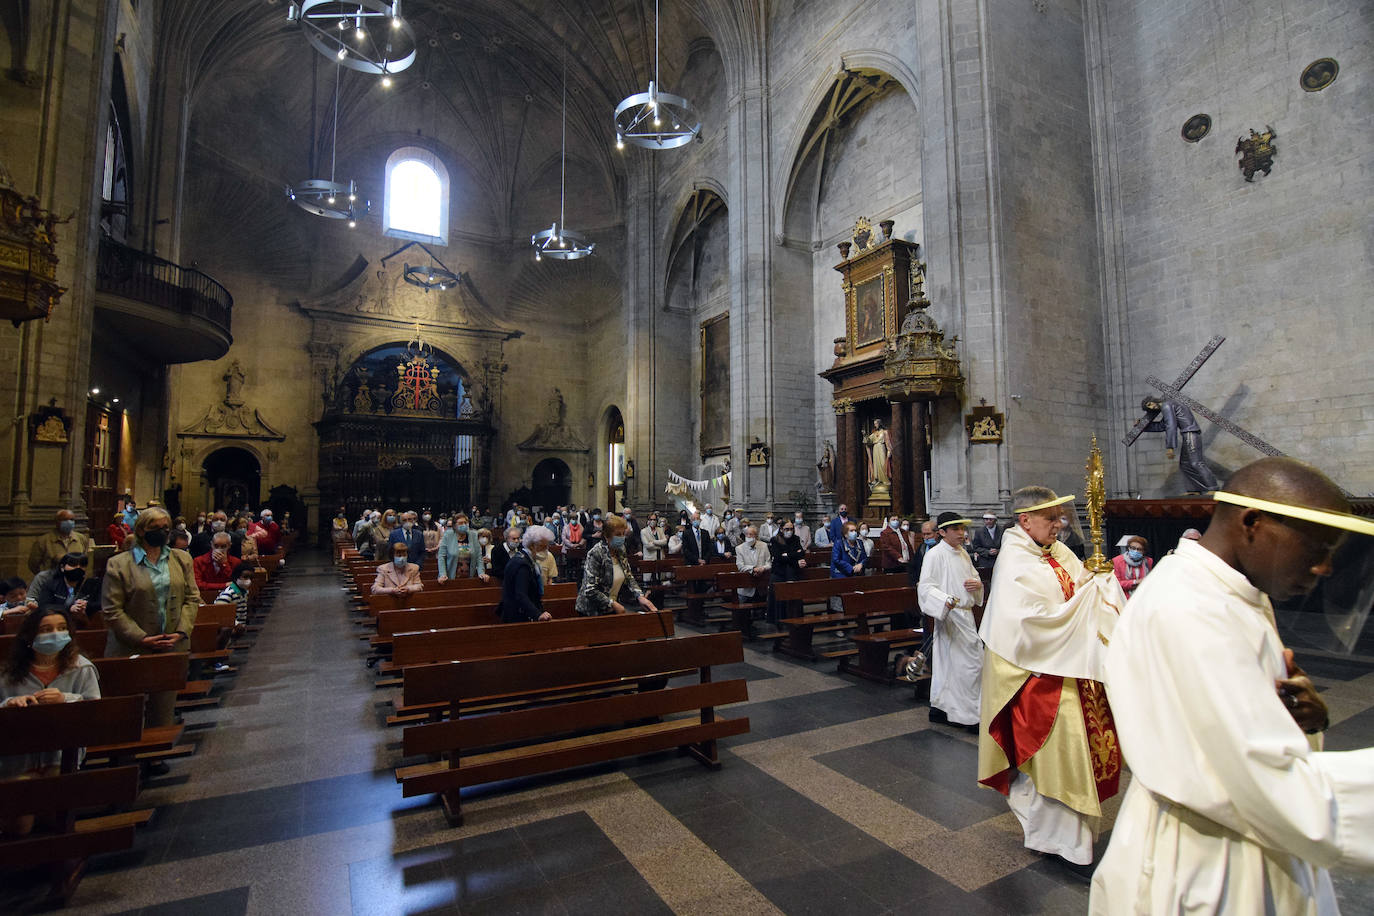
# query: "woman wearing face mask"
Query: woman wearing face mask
45,666
526,576
848,555
606,574
479,562
398,576
455,550
591,536
1132,566
721,541
149,601
867,540
789,559
654,538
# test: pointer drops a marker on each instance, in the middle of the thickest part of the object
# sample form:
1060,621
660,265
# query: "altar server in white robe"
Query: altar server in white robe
948,591
1046,740
1231,807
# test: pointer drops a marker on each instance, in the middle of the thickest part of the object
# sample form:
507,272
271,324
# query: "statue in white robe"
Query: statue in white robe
957,656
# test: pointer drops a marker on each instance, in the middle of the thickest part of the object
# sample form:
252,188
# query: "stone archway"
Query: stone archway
233,477
551,483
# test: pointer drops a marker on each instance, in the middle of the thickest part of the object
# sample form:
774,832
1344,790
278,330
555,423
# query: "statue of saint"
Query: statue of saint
826,467
879,450
1180,427
233,385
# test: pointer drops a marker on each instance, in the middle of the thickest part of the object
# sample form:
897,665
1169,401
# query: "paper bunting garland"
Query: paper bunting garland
680,486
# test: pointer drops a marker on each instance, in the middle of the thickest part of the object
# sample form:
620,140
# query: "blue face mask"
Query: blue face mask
696,523
618,542
400,562
596,518
1135,555
851,535
931,542
51,643
66,526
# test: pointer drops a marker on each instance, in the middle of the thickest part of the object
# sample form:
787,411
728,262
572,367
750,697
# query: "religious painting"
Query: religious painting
715,385
869,311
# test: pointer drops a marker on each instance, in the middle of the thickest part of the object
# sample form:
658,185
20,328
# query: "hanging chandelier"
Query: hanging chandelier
562,244
655,119
364,35
327,197
434,276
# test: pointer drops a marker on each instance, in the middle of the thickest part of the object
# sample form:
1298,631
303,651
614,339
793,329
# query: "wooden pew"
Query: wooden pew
547,738
67,727
140,675
91,643
742,609
874,645
428,620
801,630
695,610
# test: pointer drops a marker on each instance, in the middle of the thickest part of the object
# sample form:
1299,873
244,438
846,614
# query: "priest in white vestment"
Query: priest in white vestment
948,591
1046,739
1231,807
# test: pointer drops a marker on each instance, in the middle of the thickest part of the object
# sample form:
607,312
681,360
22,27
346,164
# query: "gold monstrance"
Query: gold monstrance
1097,505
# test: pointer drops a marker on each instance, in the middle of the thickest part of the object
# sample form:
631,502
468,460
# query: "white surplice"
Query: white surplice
957,657
1230,809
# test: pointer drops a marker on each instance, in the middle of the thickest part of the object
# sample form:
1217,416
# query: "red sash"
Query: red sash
1022,727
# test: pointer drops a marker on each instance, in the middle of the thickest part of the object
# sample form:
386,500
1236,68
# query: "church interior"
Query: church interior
454,256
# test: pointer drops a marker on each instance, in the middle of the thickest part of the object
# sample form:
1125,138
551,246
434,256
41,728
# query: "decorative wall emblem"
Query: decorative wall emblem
1319,74
554,434
232,417
416,380
51,424
1196,127
984,424
759,453
1257,152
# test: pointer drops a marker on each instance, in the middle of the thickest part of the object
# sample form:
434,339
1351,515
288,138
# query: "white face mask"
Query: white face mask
481,540
244,584
863,532
749,541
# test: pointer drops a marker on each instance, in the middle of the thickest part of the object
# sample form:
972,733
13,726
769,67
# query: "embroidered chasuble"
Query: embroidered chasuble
1044,711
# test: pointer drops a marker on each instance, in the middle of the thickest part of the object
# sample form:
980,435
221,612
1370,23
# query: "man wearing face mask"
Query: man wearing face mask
698,547
216,569
802,530
821,536
835,528
149,600
752,556
709,522
65,586
526,577
502,553
63,539
412,536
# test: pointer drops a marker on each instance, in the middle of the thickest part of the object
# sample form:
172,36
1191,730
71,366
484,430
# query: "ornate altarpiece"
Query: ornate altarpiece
890,364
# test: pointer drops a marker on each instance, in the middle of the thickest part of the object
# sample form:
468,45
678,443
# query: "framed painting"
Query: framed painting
715,385
870,311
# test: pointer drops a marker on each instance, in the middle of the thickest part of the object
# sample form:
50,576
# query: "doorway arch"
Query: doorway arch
234,479
615,459
551,484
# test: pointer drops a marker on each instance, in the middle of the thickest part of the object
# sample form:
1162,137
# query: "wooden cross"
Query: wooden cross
1179,382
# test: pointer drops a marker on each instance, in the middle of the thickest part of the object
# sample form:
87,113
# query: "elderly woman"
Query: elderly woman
455,552
848,555
607,571
149,601
1132,566
522,586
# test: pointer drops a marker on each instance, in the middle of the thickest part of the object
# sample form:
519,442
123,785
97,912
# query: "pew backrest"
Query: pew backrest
453,645
142,674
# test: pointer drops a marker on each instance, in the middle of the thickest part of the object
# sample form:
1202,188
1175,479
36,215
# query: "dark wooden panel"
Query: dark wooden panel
522,724
38,850
140,674
453,681
811,589
415,648
69,791
55,726
891,601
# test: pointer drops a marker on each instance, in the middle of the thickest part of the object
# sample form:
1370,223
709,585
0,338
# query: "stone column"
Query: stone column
920,457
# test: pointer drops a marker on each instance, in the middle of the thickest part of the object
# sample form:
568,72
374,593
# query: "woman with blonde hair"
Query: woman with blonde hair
606,572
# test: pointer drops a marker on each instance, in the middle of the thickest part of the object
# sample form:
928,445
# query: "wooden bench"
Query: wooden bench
433,620
801,630
694,612
91,643
543,739
742,609
67,727
138,676
875,645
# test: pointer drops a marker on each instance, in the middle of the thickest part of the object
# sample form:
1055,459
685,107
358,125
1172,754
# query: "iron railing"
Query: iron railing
133,274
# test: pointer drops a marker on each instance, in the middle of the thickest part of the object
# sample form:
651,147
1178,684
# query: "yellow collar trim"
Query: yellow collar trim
1342,520
1046,505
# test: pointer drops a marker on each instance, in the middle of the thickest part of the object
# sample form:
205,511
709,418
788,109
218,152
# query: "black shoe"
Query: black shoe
938,716
1083,874
156,768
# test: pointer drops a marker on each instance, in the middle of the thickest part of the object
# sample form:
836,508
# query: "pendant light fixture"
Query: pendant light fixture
327,197
364,35
559,242
655,119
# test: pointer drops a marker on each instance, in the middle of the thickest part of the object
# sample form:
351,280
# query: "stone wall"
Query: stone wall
1280,266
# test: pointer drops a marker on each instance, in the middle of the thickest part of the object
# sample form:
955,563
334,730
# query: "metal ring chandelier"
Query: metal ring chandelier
655,119
364,35
435,276
562,244
327,197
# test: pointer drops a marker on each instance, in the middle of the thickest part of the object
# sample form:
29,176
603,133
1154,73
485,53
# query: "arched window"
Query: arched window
416,205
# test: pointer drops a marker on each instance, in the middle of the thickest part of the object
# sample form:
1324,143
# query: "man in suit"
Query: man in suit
412,535
504,552
836,527
698,546
983,545
149,600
